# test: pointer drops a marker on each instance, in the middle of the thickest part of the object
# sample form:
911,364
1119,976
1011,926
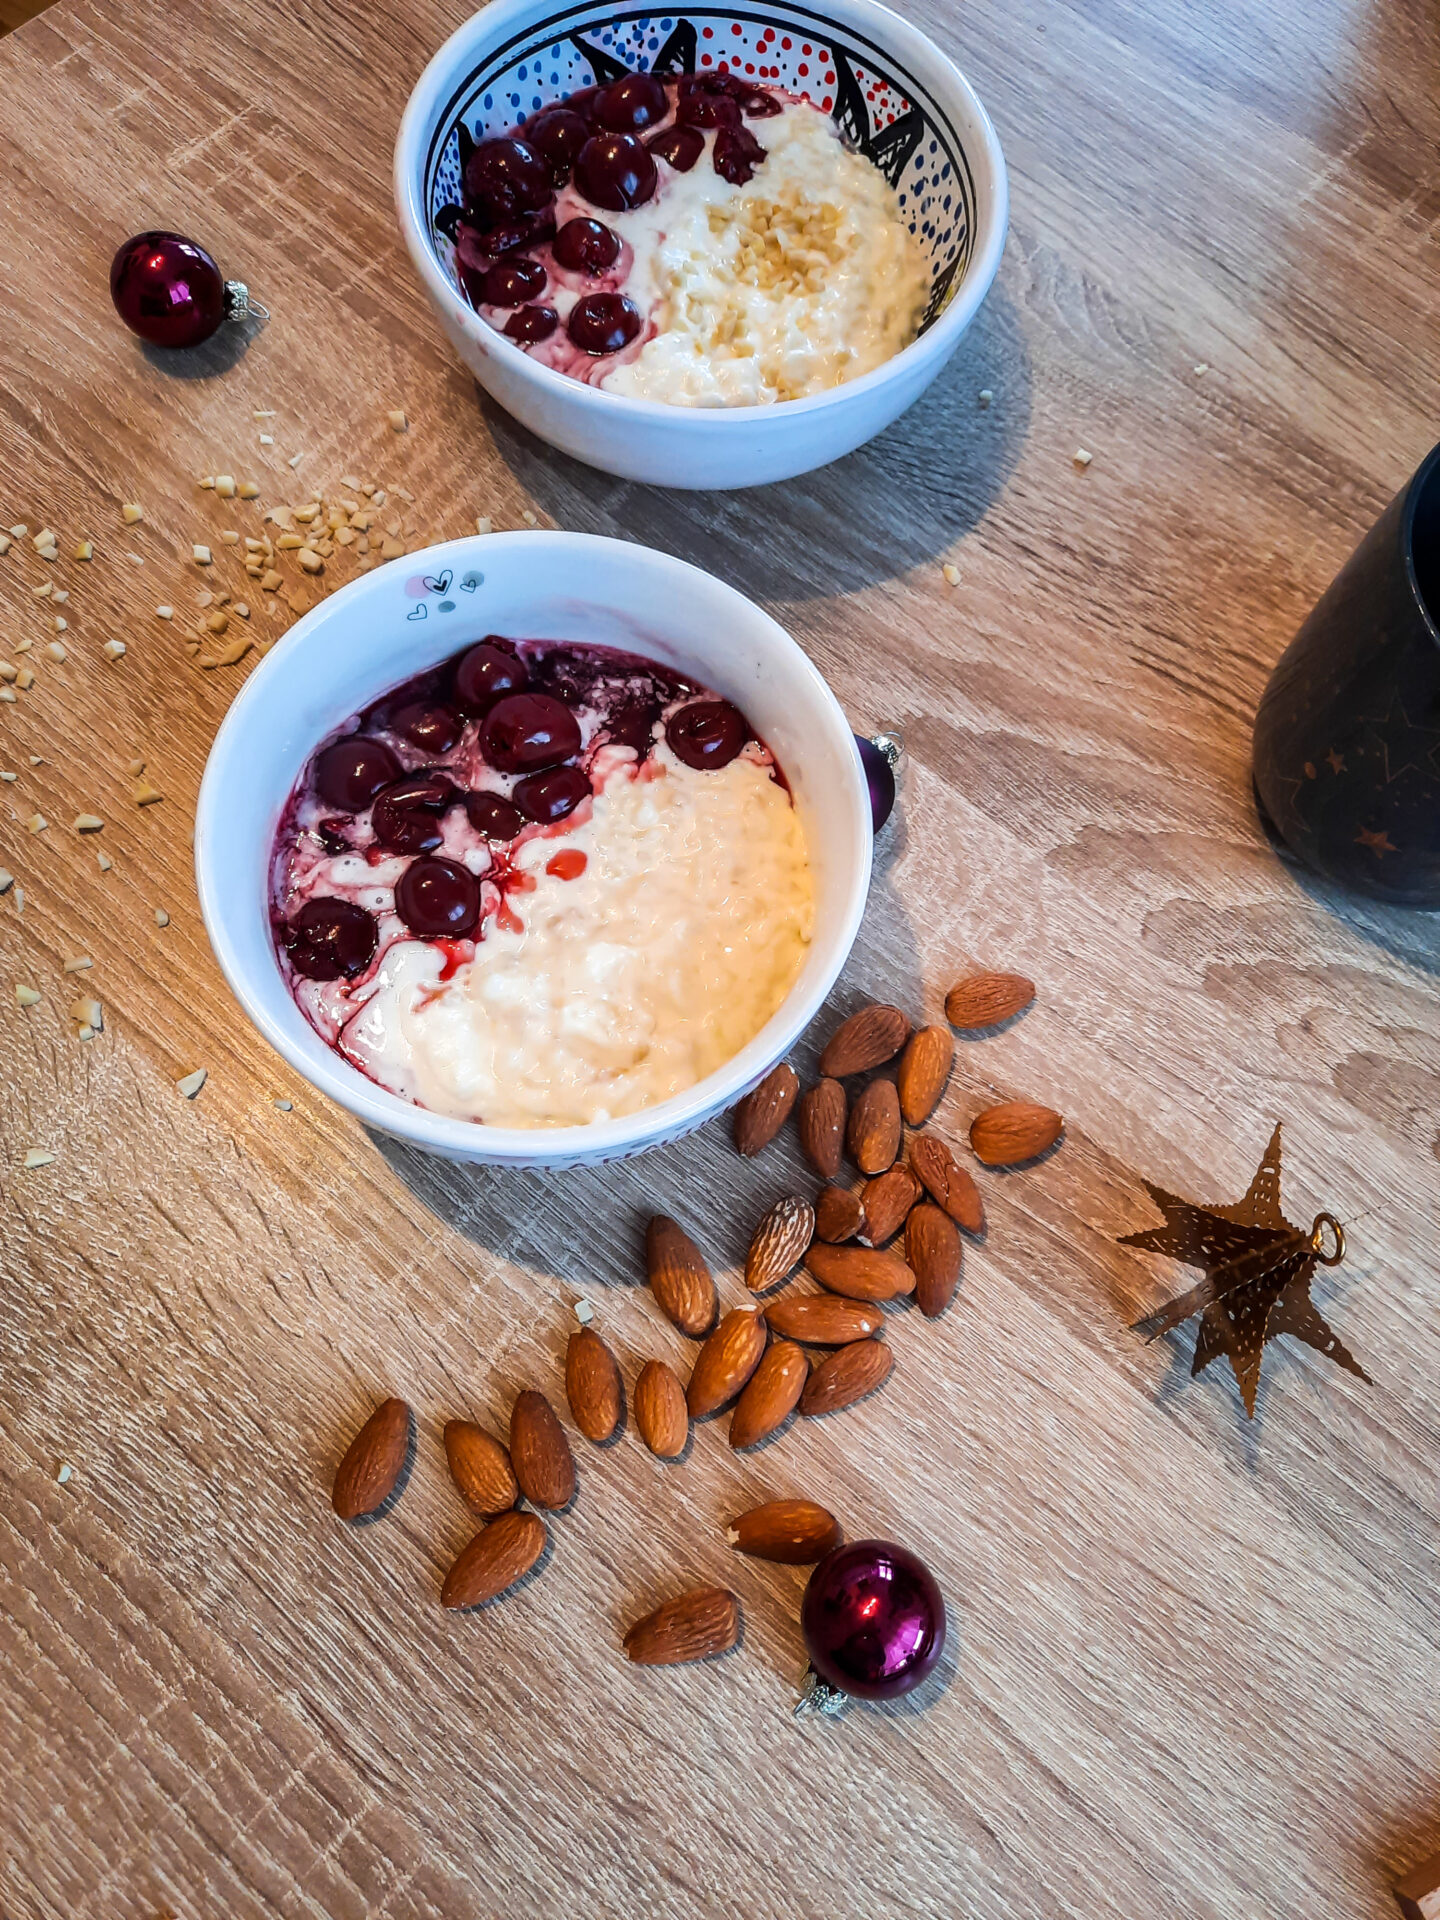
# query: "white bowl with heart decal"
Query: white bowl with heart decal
406,617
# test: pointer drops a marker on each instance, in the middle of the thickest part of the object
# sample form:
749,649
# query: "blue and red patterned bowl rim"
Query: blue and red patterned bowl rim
880,108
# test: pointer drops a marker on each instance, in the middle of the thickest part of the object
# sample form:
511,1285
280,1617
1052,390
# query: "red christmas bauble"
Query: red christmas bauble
873,1621
168,290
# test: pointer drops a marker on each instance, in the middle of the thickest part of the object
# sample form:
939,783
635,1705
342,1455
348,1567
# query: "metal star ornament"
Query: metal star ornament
1258,1268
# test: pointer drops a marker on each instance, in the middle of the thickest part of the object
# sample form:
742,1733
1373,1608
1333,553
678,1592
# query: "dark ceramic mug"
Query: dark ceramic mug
1347,739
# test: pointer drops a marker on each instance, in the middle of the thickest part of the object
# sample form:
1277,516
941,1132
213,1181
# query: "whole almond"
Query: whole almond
771,1395
948,1183
838,1214
987,1000
726,1361
480,1468
1004,1136
495,1559
932,1252
592,1385
660,1410
779,1244
679,1277
690,1627
820,1122
375,1461
873,1133
540,1453
794,1532
867,1039
886,1202
847,1375
860,1273
761,1114
824,1319
924,1068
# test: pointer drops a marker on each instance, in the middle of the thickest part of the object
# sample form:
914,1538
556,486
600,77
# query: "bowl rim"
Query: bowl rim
472,1140
992,219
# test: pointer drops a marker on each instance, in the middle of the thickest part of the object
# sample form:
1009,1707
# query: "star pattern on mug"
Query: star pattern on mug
1395,733
1379,843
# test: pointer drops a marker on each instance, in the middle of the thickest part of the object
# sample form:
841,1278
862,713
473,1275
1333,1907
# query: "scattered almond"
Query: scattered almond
88,823
924,1068
795,1532
886,1203
987,1000
495,1559
771,1394
679,1277
191,1084
480,1468
201,555
1004,1136
84,550
26,996
932,1252
726,1361
838,1214
873,1133
77,963
761,1114
660,1411
820,1122
311,561
397,420
114,649
779,1243
374,1463
225,485
847,1375
860,1273
867,1039
36,1157
592,1385
947,1182
692,1626
539,1452
824,1319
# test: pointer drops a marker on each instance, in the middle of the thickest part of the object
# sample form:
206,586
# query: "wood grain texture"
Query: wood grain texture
1193,1668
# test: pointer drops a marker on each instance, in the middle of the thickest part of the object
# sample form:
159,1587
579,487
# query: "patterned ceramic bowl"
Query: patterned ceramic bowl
893,95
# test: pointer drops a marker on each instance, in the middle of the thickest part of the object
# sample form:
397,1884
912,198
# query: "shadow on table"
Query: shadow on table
219,354
889,506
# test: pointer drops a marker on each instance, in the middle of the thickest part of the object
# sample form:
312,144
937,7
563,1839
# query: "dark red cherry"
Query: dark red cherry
493,815
512,281
681,146
557,135
407,815
604,322
587,246
527,731
625,106
349,774
478,248
634,726
614,170
504,177
757,104
550,796
583,103
707,110
707,734
737,154
438,899
485,673
530,325
425,723
330,939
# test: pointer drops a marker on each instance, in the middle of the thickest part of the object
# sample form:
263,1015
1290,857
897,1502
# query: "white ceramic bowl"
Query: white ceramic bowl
405,617
894,94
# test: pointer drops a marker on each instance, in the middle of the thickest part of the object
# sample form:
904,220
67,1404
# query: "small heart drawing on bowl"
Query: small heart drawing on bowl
440,585
417,612
471,582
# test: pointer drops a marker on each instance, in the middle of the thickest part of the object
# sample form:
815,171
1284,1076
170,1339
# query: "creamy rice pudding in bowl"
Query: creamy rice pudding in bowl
536,848
700,249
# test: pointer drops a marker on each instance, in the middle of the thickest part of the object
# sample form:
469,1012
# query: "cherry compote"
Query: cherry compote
527,731
615,171
349,774
506,176
330,939
707,734
604,322
587,246
438,899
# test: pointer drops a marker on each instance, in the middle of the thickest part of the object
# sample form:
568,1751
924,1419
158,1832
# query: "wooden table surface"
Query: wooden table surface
1193,1668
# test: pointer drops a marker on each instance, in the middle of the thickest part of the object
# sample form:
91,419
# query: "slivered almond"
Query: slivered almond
886,1202
824,1319
947,1182
374,1462
867,1039
987,1000
592,1385
679,1277
794,1532
771,1395
1006,1135
495,1559
761,1114
692,1626
924,1068
480,1468
820,1122
838,1214
726,1361
859,1273
539,1452
847,1375
873,1133
660,1410
779,1243
932,1252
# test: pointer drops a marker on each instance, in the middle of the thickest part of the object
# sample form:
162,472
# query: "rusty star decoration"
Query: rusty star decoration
1258,1268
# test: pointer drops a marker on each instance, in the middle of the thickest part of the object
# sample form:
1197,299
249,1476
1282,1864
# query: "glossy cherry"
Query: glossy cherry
427,724
167,289
737,154
530,325
493,815
506,176
485,673
680,146
349,773
550,796
406,817
707,110
615,171
512,281
604,322
706,734
527,731
557,135
634,726
478,248
438,899
587,246
628,104
330,939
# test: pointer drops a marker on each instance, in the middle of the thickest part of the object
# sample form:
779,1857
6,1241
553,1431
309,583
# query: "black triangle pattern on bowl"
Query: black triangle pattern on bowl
880,109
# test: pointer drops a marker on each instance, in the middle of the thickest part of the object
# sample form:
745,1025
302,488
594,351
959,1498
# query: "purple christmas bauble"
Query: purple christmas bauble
873,1620
167,289
879,777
